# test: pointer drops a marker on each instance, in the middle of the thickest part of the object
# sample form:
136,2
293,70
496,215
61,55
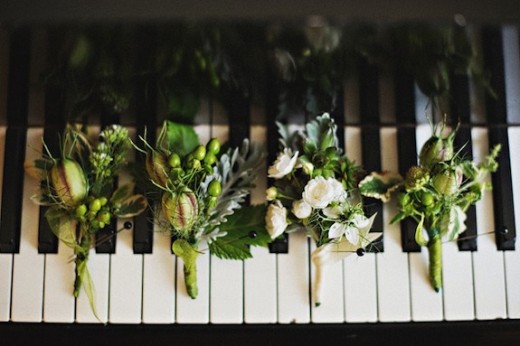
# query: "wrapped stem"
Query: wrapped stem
435,255
188,253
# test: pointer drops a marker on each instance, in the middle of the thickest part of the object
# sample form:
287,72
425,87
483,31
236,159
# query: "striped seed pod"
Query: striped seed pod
180,209
157,167
68,182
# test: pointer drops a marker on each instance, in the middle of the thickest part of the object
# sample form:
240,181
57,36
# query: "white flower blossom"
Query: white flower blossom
320,192
339,229
360,221
301,209
283,165
333,212
276,219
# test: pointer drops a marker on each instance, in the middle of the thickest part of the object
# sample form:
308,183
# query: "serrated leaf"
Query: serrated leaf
239,229
380,185
181,139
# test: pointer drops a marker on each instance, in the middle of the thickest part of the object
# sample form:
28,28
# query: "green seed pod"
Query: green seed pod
180,209
416,177
157,167
69,182
436,150
447,182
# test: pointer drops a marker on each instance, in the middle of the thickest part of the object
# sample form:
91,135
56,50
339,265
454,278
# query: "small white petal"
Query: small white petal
352,234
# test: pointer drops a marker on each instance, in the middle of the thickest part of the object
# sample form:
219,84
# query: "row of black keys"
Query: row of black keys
239,123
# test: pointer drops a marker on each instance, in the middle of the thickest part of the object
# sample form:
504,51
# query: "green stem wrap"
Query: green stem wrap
188,253
435,254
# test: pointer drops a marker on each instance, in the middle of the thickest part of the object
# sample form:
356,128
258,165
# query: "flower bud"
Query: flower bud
271,193
447,182
180,209
69,182
436,150
416,177
157,167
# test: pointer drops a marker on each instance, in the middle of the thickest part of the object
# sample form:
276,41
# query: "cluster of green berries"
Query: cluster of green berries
96,212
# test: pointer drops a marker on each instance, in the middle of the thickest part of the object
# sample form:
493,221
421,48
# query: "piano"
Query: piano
382,297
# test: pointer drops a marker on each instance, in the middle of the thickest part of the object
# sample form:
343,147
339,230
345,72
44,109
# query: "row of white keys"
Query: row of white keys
393,281
260,298
426,304
293,277
488,262
512,74
359,273
195,310
227,276
6,260
28,265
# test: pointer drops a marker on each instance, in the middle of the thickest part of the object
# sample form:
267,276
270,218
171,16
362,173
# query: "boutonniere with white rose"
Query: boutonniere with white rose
78,188
315,190
199,192
436,193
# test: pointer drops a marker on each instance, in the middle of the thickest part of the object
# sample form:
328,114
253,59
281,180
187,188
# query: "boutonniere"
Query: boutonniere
436,193
78,188
315,189
199,192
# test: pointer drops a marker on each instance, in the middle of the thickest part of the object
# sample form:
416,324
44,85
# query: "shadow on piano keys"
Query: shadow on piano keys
384,295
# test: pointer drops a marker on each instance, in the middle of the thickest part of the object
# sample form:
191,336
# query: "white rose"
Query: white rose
341,194
301,209
283,165
320,192
271,193
276,219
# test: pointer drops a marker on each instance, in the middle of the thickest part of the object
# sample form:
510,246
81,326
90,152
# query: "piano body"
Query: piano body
382,297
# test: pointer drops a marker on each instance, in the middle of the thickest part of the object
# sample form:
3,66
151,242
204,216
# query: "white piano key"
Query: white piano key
126,269
331,308
159,281
488,262
99,268
6,260
260,271
293,281
195,310
512,258
360,285
28,265
426,303
294,275
227,277
392,265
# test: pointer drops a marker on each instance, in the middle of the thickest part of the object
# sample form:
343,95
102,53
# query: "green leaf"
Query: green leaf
452,223
398,217
239,228
419,234
132,206
85,281
181,139
62,225
380,185
122,193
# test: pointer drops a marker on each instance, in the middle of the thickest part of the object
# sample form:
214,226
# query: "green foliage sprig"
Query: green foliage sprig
78,188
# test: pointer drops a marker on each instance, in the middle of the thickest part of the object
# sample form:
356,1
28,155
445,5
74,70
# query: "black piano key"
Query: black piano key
15,141
370,139
460,106
106,237
496,112
146,115
281,244
406,145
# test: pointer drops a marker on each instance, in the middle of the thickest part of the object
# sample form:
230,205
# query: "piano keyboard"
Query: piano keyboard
146,287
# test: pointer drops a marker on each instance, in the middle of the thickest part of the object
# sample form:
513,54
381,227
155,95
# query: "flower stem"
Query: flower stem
435,255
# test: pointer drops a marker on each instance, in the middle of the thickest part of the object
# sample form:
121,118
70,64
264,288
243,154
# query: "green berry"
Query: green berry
210,159
95,205
194,164
174,160
427,198
81,210
199,153
214,188
104,217
211,202
213,146
91,215
103,201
